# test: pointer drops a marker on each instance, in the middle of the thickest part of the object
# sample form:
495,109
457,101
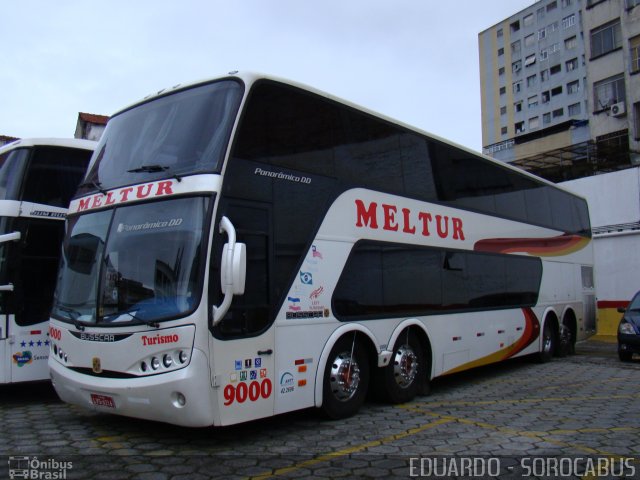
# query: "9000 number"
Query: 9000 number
247,391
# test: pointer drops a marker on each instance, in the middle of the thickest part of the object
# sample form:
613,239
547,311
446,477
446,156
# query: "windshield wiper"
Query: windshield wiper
74,316
150,323
154,169
96,185
149,169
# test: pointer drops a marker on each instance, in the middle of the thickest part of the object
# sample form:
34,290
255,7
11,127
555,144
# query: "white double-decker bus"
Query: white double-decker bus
38,178
244,247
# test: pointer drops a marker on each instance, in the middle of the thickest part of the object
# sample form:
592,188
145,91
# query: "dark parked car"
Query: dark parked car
629,329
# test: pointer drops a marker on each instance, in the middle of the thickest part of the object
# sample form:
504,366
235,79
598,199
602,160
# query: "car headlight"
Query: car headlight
626,328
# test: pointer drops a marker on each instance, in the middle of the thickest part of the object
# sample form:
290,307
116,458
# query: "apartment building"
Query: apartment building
559,88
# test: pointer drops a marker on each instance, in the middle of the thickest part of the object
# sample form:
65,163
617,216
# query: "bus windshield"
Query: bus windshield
134,264
180,134
12,164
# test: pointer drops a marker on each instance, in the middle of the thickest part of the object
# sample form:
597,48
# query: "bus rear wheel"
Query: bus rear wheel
403,376
548,343
346,379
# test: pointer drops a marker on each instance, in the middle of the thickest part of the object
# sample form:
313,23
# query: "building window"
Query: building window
528,20
574,110
503,90
534,122
570,43
533,101
529,40
501,71
516,66
552,6
566,3
606,38
546,118
542,33
556,91
519,127
515,26
544,75
540,13
634,51
571,65
530,60
499,33
573,87
503,110
558,113
568,22
504,130
546,97
517,106
531,81
636,117
551,49
517,87
555,69
516,47
500,52
608,91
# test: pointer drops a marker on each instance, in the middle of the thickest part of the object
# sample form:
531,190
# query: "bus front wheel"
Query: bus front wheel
346,378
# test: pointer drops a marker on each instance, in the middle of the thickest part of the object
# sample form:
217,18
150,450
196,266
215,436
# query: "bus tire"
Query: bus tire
346,379
548,343
567,344
405,376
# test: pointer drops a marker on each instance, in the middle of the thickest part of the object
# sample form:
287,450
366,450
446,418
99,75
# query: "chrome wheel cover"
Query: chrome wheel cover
405,366
344,377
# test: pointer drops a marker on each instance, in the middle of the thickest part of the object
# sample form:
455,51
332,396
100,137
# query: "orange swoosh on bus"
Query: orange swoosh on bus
529,335
542,247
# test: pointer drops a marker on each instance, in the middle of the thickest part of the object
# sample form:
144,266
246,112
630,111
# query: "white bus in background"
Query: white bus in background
38,178
246,246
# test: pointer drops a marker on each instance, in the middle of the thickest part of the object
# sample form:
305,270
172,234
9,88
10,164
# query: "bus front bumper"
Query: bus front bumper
180,397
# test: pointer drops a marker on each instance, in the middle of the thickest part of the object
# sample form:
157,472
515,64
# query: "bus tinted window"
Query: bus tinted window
388,280
54,175
289,128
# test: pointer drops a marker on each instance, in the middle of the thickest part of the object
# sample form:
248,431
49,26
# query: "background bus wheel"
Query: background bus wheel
548,343
346,378
567,344
403,377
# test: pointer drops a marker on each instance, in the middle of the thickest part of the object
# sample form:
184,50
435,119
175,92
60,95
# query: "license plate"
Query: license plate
102,400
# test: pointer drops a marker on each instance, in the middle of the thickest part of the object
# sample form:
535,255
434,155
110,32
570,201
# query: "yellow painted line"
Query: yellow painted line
348,451
514,432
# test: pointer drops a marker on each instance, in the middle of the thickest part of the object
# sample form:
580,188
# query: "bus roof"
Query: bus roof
249,78
50,142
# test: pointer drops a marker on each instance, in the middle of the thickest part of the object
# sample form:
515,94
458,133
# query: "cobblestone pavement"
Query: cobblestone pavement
580,407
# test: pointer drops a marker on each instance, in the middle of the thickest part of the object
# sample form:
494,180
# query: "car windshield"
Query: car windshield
183,133
133,264
635,303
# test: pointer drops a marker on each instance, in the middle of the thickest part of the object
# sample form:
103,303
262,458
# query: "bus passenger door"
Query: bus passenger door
242,346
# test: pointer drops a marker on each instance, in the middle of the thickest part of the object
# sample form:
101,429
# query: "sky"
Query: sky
412,60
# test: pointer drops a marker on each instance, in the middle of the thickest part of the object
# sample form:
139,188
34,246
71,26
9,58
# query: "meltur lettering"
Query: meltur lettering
126,194
159,339
407,221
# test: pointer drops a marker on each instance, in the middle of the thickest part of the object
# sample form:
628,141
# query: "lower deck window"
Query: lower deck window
382,279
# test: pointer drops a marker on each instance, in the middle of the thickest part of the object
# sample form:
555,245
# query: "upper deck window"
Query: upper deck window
183,133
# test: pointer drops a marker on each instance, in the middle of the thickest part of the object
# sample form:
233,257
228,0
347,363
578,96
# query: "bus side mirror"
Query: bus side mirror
233,271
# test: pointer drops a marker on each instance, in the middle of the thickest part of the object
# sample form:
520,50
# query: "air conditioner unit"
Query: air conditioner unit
618,109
